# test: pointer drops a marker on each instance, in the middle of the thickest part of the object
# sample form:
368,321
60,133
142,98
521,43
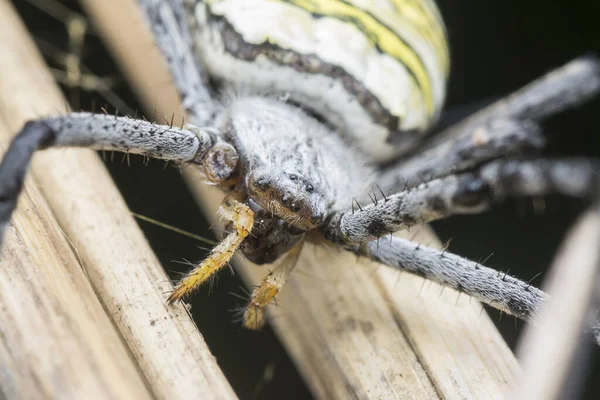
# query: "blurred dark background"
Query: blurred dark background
496,47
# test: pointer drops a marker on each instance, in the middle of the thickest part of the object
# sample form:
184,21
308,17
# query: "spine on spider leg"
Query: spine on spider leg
487,285
571,315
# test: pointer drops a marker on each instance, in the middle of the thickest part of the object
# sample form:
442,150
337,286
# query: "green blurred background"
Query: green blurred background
496,47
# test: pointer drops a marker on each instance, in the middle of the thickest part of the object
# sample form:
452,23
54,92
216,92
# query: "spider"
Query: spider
302,143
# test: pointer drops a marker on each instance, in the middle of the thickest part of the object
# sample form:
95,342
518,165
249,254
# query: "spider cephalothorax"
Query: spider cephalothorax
292,165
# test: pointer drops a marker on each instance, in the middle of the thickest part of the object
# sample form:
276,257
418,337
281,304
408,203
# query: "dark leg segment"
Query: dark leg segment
35,135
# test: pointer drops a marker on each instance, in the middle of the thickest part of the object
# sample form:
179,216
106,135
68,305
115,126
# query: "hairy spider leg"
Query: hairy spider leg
269,288
172,36
466,193
243,219
490,286
509,127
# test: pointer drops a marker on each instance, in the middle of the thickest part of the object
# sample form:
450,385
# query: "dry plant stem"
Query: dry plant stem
549,344
124,273
57,341
352,333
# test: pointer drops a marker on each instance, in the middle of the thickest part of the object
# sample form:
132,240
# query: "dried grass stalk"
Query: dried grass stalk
551,344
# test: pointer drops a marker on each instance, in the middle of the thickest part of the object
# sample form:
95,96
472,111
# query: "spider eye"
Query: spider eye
310,188
293,177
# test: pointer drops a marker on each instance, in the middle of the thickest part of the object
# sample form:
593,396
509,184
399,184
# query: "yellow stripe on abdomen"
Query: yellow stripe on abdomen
385,39
425,18
374,69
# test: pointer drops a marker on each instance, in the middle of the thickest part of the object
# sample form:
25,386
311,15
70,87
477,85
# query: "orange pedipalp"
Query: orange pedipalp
243,219
269,288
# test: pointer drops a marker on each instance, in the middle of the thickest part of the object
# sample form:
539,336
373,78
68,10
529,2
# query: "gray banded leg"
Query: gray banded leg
493,139
487,285
108,132
466,193
507,127
495,288
166,20
97,131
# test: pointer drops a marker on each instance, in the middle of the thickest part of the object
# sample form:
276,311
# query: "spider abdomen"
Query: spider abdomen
374,70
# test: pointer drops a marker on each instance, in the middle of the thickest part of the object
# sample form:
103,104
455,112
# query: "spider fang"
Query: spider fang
243,219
